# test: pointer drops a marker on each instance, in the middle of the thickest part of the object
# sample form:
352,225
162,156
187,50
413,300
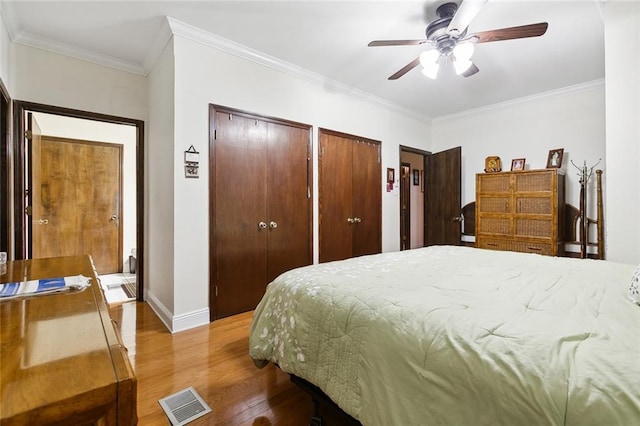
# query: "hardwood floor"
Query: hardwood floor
214,359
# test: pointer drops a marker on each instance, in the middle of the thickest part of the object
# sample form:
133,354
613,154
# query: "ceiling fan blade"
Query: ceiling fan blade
396,43
467,11
471,71
523,31
411,65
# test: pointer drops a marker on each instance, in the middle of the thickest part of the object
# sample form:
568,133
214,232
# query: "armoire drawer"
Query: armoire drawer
528,247
495,244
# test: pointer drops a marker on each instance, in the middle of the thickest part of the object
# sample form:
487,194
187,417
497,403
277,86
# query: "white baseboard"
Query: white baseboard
176,323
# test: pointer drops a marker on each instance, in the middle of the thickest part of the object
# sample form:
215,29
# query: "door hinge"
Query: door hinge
215,287
28,134
28,210
215,134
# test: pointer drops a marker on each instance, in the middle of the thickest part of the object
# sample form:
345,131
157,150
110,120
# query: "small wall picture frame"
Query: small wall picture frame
416,177
517,164
391,175
554,160
191,170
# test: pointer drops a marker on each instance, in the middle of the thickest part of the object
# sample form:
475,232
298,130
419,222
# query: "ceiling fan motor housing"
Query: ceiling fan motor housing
436,31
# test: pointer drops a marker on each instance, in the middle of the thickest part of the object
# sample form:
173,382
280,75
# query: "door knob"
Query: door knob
457,218
273,225
114,218
262,225
350,221
43,222
357,220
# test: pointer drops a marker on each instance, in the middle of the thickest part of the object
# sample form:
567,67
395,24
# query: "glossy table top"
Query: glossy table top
56,349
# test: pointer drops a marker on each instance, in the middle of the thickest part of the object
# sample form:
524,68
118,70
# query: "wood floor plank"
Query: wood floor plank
214,359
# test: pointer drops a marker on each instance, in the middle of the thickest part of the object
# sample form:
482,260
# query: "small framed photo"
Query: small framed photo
391,175
191,170
517,164
554,160
492,164
416,177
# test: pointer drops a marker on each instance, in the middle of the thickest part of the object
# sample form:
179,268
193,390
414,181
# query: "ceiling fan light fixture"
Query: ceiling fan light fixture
461,65
463,51
429,61
431,71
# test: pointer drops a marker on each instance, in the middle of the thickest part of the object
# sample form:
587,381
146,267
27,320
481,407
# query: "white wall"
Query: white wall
97,131
48,78
160,205
622,74
5,56
205,75
528,128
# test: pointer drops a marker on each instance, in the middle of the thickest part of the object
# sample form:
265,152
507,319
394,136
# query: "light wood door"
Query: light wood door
77,202
261,207
350,197
442,215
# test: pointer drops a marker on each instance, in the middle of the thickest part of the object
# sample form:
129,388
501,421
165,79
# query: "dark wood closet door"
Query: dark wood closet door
240,205
335,200
367,197
289,207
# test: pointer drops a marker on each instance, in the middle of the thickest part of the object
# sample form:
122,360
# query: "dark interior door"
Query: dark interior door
289,199
335,192
240,222
367,198
442,213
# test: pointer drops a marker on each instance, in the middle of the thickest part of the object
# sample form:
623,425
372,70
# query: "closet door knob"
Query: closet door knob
357,220
273,225
350,221
262,225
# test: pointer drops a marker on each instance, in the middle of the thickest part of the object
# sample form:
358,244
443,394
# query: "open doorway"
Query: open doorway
49,144
412,198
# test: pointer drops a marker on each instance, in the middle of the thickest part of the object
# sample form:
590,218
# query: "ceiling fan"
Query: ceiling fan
448,40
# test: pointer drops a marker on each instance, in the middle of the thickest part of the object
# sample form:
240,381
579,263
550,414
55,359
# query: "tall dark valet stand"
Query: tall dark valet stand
585,174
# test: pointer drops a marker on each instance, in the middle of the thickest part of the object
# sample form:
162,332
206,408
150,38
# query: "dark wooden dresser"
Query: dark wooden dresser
62,361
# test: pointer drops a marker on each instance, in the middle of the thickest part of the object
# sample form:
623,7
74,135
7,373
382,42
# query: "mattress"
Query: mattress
457,335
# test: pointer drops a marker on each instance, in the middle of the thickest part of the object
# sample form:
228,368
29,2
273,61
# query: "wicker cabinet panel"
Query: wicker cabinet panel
499,204
494,225
524,210
495,183
533,182
534,205
534,227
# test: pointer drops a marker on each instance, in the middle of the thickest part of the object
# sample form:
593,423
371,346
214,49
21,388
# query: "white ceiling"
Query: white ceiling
330,38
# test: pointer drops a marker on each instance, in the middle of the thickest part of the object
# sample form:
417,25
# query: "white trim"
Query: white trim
77,53
176,323
160,40
190,320
210,40
156,306
564,91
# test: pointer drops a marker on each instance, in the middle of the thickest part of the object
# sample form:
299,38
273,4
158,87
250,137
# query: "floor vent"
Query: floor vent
184,406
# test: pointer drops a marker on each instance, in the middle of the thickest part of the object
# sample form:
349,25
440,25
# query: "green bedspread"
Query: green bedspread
460,336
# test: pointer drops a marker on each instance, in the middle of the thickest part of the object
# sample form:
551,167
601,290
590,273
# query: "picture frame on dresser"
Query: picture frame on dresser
517,164
554,159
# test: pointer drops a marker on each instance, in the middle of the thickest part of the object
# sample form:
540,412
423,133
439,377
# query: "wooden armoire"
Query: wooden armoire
350,196
521,211
260,205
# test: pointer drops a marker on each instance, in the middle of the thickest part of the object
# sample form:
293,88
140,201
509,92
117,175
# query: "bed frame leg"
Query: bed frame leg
316,420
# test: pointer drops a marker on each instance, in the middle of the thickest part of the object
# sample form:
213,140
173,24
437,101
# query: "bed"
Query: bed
458,335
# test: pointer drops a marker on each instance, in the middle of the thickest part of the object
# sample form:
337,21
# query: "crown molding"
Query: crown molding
552,94
210,40
160,40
